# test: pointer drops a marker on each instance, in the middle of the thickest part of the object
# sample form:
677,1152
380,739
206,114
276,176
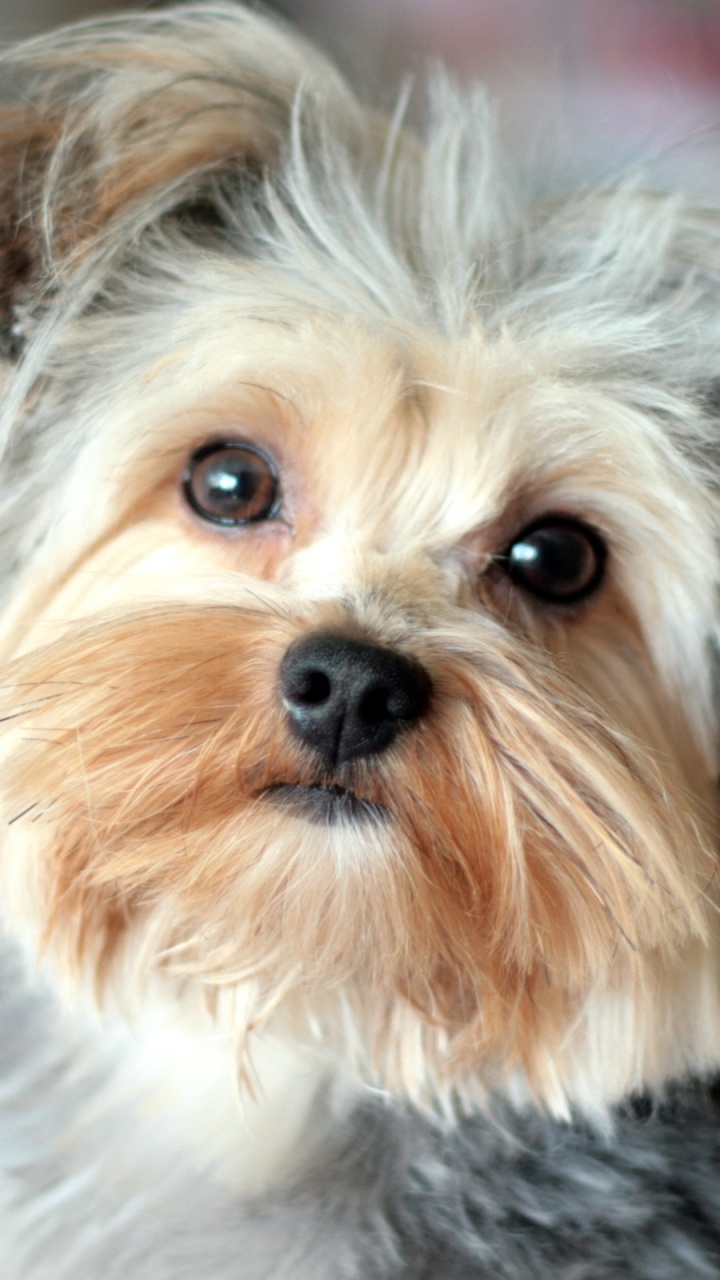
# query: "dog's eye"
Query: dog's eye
557,559
232,483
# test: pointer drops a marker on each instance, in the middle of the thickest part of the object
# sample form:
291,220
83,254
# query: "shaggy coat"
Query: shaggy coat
358,752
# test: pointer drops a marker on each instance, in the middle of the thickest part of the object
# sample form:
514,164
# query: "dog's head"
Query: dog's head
361,575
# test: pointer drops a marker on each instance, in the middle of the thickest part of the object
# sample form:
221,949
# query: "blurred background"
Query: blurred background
608,80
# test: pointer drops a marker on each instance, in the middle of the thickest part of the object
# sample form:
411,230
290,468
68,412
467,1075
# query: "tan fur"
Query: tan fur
501,890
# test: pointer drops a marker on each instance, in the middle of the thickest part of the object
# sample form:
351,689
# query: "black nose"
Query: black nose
348,699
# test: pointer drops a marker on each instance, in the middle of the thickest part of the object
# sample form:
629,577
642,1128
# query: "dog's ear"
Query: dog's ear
25,143
121,120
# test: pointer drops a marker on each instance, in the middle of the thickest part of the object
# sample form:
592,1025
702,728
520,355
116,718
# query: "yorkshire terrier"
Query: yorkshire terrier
359,753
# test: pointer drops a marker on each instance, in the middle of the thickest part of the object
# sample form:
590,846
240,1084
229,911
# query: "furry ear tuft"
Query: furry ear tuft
26,142
120,124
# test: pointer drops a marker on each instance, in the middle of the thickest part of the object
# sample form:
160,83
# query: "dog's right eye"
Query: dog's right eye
556,559
232,483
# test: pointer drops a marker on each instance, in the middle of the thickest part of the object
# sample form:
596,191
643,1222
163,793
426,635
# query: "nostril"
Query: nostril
312,689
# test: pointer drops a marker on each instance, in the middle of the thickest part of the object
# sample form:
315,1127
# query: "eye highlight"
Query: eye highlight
231,483
557,559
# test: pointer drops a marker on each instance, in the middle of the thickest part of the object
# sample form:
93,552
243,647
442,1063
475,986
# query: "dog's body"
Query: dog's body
358,746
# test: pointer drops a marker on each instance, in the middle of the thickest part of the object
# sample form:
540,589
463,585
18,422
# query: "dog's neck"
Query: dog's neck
148,1095
246,1132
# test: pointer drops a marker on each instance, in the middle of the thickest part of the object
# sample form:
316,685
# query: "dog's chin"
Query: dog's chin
325,805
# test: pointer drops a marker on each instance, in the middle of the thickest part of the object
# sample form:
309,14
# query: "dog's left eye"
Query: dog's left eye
557,559
232,483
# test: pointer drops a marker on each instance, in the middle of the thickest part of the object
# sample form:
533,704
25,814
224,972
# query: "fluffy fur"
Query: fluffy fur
206,237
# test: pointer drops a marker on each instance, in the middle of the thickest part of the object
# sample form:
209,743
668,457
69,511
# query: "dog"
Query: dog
359,745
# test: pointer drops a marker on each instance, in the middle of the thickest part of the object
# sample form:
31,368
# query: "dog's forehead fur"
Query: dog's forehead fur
313,210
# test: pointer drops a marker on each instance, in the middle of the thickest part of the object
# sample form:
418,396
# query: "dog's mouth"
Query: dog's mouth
326,805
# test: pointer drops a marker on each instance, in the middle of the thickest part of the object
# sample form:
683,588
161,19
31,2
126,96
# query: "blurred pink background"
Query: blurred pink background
607,80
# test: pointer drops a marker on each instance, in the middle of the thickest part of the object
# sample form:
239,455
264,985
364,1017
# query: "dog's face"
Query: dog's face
358,674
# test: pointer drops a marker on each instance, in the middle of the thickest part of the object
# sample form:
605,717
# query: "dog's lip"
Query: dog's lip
325,803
